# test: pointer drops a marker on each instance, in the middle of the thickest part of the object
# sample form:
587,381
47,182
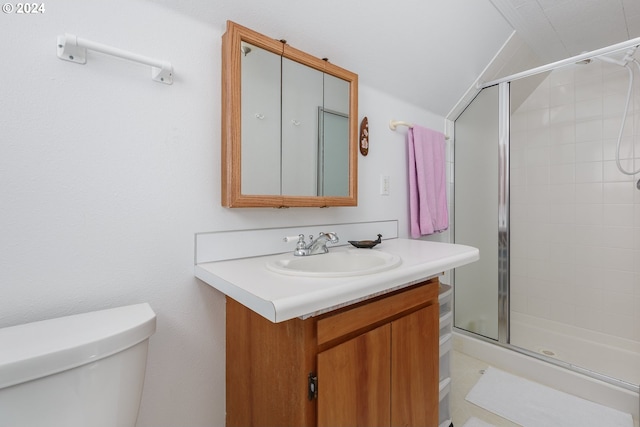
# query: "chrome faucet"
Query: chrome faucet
315,247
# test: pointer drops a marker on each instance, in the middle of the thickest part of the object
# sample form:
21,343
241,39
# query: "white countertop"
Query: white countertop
279,297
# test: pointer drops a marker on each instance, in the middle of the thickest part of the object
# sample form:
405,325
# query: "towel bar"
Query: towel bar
74,49
393,125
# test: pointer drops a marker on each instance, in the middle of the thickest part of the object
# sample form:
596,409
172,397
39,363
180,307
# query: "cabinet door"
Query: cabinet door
414,369
261,122
354,381
302,94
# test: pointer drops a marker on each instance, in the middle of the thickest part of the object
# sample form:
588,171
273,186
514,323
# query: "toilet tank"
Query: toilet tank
85,370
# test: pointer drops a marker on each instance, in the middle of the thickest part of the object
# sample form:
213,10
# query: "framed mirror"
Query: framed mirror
289,125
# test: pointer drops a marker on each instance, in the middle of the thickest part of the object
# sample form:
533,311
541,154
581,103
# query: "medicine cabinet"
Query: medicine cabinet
289,125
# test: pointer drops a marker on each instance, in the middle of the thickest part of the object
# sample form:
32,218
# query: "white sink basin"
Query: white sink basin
353,262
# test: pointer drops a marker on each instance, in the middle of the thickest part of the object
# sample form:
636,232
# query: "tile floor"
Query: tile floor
465,373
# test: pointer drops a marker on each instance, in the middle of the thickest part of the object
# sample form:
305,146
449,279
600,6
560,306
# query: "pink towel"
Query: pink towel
427,182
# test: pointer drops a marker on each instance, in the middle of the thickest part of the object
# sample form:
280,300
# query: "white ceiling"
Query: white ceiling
425,52
558,29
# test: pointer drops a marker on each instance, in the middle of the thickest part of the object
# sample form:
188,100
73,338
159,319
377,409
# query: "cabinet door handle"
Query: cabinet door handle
312,386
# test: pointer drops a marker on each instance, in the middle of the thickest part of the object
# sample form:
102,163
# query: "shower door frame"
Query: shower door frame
503,334
504,309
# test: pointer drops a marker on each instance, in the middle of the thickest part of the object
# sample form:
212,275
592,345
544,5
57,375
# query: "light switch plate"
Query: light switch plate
384,185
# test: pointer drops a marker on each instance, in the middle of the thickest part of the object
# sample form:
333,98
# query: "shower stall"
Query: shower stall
544,187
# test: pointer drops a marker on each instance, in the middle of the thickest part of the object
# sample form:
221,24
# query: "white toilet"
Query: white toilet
85,370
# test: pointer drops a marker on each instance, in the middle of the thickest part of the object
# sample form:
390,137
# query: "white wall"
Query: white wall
105,176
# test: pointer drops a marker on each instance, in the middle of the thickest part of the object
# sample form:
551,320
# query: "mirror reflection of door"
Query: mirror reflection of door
333,153
335,130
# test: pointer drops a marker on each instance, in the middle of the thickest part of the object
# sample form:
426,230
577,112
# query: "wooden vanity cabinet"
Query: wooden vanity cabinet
373,363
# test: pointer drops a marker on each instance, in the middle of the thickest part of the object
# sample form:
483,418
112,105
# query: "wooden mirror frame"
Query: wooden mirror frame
232,196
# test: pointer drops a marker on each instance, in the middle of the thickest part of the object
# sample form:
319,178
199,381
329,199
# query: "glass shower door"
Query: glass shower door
476,288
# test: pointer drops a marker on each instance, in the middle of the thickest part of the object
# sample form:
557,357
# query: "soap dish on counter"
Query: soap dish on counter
366,244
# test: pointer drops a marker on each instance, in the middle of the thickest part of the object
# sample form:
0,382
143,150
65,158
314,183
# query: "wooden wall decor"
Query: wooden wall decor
364,137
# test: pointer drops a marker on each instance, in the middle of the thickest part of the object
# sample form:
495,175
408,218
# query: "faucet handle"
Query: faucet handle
301,243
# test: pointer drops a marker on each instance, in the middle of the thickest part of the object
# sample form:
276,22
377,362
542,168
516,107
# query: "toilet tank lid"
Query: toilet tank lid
38,349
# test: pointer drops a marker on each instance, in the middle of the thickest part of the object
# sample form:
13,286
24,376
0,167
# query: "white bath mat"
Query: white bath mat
534,405
476,422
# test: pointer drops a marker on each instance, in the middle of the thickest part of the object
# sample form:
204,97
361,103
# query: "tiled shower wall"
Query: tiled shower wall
575,219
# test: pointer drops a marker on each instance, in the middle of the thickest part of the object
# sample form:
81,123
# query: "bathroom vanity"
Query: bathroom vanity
371,364
331,351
